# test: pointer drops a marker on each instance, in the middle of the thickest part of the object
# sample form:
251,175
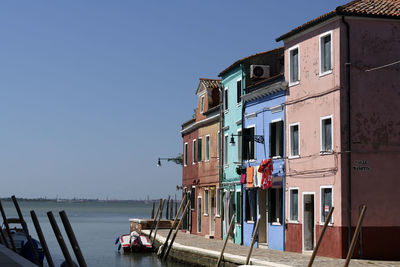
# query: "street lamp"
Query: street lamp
256,138
177,160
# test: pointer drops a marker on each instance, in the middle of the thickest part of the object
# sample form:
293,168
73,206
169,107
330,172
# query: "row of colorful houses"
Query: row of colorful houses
284,135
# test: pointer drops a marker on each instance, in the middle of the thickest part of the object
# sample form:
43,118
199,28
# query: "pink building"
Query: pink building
343,130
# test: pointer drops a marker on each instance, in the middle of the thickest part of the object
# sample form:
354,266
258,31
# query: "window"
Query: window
192,198
326,203
239,91
200,149
199,214
202,104
276,203
294,65
219,196
185,152
226,149
294,204
206,202
251,205
326,134
226,99
194,152
248,143
207,148
276,139
325,47
239,146
218,144
238,208
294,140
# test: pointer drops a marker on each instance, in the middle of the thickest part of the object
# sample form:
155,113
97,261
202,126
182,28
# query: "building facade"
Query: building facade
341,118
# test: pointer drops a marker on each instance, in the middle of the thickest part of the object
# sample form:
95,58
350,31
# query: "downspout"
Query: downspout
347,64
242,143
221,160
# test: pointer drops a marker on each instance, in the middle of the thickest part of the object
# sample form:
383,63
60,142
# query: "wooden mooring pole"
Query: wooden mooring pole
314,254
172,227
226,240
167,210
152,211
158,222
42,239
155,218
5,222
60,239
72,239
355,236
171,209
176,231
253,240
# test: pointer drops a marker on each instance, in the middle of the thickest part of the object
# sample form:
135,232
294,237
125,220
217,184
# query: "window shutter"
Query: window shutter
280,136
199,150
245,141
239,91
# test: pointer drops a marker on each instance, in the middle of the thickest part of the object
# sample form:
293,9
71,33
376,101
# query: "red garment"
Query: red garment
266,169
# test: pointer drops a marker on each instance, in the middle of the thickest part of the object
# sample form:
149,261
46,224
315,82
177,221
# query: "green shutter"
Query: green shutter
199,150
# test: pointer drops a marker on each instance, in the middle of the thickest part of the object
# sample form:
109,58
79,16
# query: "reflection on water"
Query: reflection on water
96,226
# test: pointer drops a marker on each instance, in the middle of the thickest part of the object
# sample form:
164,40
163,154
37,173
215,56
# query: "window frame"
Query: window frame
199,225
276,121
239,145
200,149
218,202
194,143
206,202
320,204
218,144
207,148
322,151
226,98
321,37
239,96
290,205
202,104
226,151
185,151
254,159
292,83
290,140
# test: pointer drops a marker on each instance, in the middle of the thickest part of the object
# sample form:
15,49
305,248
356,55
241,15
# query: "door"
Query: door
262,208
199,214
308,222
212,212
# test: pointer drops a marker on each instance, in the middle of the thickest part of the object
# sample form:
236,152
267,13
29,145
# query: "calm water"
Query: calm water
96,226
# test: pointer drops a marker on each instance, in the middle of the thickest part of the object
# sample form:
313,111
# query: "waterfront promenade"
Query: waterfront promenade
11,259
203,251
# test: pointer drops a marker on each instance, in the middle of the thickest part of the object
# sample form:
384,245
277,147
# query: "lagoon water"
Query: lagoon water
96,226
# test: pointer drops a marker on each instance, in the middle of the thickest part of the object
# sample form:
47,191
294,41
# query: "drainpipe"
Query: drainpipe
221,160
347,64
241,190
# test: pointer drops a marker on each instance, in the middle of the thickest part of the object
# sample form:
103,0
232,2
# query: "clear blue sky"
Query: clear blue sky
93,92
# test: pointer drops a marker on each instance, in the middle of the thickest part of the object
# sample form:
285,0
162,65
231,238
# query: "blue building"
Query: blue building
263,138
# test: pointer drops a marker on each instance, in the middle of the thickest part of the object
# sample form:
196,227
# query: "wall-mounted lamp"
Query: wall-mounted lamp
177,160
255,138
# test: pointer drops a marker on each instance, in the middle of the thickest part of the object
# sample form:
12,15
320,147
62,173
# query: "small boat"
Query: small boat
134,242
23,247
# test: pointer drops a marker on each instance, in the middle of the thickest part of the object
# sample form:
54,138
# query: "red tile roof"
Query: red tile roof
364,8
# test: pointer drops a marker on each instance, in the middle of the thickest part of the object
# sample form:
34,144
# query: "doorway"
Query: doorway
263,215
308,222
212,212
199,214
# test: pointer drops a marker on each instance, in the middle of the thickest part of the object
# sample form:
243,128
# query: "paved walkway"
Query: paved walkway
265,257
9,258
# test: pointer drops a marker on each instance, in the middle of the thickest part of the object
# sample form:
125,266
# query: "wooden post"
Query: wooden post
314,254
172,228
152,211
167,210
42,239
176,206
3,214
253,240
171,209
226,240
3,239
176,230
60,239
158,222
72,239
355,236
155,218
26,232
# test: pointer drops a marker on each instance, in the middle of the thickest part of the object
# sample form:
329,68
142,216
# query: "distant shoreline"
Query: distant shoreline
77,200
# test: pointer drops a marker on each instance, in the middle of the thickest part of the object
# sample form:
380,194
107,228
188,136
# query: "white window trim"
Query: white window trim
194,152
199,198
226,110
205,148
218,144
204,204
237,132
323,152
227,152
298,58
185,150
274,121
200,138
202,103
290,141
320,59
255,144
218,195
298,204
320,204
302,220
238,104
